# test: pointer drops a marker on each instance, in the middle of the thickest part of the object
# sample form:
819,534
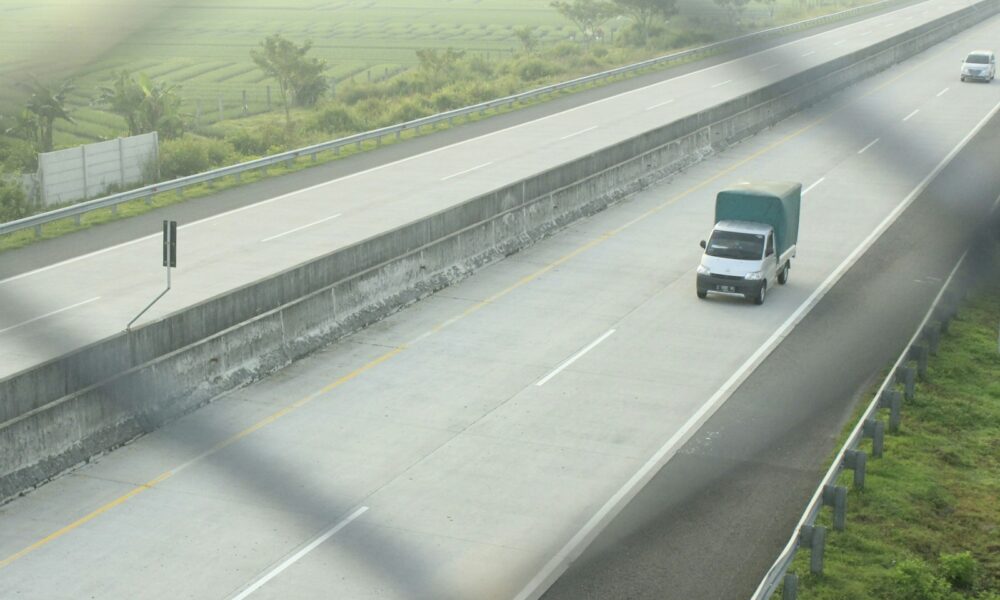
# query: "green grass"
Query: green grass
936,492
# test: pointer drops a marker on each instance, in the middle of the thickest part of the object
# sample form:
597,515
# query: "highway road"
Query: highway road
95,295
469,446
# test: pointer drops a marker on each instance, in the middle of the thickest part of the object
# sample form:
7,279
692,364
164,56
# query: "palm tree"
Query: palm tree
48,104
160,107
124,98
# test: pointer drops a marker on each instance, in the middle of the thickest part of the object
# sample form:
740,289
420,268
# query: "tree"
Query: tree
24,126
160,107
146,105
644,13
734,8
124,98
587,15
299,78
47,103
436,62
526,35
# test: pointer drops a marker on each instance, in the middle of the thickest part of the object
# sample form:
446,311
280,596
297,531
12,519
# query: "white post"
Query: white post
121,164
83,155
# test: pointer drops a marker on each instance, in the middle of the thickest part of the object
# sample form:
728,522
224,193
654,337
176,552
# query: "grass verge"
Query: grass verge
927,524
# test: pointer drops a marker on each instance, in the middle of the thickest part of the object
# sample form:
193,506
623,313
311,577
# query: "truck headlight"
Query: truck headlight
702,270
754,276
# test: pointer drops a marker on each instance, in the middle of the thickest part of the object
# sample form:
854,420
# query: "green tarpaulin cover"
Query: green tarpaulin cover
773,202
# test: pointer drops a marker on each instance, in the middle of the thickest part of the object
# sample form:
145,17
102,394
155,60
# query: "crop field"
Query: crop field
204,47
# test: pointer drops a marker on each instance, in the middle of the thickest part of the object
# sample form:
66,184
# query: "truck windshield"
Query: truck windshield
732,244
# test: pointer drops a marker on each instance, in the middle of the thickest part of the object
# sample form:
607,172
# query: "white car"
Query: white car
980,65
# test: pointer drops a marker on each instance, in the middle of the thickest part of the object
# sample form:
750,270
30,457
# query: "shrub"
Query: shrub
17,156
189,155
446,99
532,69
959,569
258,141
912,579
13,202
336,119
408,110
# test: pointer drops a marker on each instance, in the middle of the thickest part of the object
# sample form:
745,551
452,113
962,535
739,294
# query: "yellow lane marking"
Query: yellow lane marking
472,309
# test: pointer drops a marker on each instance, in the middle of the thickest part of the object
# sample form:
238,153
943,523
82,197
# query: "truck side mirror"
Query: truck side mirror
702,244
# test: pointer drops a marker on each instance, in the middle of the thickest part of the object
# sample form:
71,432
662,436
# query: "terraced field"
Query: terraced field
205,46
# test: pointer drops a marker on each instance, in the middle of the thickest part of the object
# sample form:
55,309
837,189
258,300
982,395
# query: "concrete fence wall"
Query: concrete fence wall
89,171
64,411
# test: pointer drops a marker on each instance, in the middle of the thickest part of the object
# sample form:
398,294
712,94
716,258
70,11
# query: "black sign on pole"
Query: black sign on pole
170,243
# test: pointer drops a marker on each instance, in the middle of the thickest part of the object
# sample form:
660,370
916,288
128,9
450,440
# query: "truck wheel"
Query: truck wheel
783,275
761,295
702,294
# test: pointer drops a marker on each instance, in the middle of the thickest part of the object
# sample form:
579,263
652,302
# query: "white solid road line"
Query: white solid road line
722,83
769,67
839,42
811,52
814,184
574,134
295,557
574,358
659,104
576,545
46,315
943,92
475,168
274,237
870,144
907,117
442,148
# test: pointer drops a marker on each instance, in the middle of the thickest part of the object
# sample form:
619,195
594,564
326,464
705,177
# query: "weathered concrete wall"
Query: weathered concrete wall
87,171
64,411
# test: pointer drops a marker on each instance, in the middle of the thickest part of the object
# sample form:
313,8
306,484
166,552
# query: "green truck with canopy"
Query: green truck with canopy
754,239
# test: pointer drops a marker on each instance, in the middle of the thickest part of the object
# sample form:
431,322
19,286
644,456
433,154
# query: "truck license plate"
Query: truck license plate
727,288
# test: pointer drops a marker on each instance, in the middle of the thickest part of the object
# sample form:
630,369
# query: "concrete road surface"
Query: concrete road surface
471,445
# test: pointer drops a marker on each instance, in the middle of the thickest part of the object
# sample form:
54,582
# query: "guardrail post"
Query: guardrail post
933,336
875,429
180,192
399,134
38,231
314,156
790,591
943,314
835,496
919,354
893,400
857,461
815,539
76,219
148,199
909,377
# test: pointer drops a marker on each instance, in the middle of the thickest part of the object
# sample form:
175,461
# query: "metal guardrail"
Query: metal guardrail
147,192
806,533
